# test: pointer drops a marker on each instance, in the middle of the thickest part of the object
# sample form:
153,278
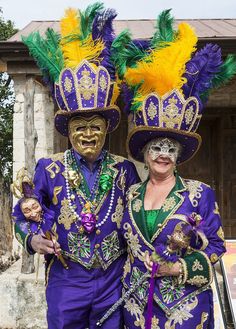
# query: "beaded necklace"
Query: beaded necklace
38,227
88,201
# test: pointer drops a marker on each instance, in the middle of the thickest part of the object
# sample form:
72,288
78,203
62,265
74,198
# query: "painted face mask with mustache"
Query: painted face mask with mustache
87,136
164,147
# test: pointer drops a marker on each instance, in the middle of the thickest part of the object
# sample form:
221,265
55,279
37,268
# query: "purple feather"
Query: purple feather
127,95
103,29
142,44
201,69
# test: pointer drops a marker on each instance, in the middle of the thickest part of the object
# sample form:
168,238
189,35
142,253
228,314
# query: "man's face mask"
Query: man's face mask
164,147
87,136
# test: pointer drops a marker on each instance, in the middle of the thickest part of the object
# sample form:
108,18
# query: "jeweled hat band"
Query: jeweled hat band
86,87
170,111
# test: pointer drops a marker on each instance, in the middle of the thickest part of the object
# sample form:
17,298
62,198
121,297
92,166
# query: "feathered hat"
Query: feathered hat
166,83
76,65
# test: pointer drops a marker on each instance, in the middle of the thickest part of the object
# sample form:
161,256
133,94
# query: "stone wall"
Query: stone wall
5,224
22,302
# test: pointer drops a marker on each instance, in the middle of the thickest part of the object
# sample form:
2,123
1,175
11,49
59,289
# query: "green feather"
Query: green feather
87,17
164,29
124,53
226,73
53,46
39,50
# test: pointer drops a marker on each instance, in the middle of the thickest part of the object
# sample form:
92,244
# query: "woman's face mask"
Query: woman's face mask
164,147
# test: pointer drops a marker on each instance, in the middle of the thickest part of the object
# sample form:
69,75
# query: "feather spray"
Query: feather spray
201,69
164,30
77,43
49,61
102,29
163,69
126,53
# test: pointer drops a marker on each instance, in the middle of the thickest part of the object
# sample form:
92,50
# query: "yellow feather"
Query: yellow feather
77,50
162,70
70,23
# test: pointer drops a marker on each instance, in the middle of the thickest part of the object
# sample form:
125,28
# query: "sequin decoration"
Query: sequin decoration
170,291
110,245
79,245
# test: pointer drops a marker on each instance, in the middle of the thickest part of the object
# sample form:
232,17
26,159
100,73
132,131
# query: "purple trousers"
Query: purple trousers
77,298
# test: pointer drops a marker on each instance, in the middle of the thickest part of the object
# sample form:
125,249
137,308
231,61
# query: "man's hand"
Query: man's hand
164,270
43,246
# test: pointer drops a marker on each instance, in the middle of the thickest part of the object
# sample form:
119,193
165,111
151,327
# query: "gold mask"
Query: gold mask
87,136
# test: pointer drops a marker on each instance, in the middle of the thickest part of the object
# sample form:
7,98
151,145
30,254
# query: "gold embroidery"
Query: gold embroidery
53,166
171,115
66,217
198,280
137,205
195,190
86,86
152,110
117,158
56,191
197,266
134,309
133,242
19,238
181,314
68,85
127,267
73,178
169,204
102,83
216,210
122,180
118,214
220,234
189,114
214,258
203,319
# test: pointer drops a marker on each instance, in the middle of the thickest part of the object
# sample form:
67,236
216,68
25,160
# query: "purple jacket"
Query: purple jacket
189,199
105,244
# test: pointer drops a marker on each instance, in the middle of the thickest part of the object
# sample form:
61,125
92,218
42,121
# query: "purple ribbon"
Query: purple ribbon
148,322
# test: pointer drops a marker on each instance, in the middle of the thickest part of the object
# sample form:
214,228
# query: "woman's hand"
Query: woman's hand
164,270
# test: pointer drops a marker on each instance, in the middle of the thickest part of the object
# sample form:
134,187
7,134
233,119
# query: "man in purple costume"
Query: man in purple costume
86,186
172,225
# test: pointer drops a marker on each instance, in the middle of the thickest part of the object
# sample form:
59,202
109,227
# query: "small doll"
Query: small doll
32,216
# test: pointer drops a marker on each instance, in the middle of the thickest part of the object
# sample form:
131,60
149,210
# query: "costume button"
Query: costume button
98,232
159,225
97,245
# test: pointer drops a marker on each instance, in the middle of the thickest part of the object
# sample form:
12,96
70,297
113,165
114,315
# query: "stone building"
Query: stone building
214,163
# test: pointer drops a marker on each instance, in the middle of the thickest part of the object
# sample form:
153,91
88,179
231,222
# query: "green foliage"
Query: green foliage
6,127
6,110
7,28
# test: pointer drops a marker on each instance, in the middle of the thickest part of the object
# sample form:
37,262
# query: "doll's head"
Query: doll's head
31,209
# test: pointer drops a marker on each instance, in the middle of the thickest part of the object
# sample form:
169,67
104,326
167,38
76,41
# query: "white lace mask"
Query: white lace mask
164,147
